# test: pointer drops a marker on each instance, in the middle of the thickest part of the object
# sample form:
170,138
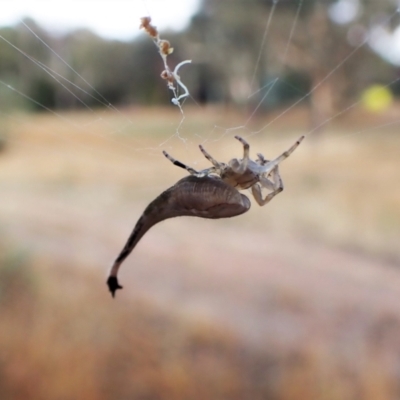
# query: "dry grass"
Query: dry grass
267,305
56,344
341,189
62,338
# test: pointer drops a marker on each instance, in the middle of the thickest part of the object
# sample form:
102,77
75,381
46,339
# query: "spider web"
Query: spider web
179,134
180,131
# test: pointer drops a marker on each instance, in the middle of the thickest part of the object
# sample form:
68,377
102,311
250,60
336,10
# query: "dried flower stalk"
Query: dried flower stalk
165,49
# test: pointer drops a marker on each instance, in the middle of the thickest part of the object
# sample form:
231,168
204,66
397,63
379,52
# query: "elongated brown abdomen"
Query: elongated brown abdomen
204,197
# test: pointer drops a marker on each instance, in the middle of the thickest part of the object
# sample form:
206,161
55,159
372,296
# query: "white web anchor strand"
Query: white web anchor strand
176,100
165,49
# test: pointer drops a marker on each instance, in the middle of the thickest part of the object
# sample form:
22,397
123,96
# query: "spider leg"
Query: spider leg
256,190
192,171
213,161
245,160
272,164
180,164
274,183
261,159
209,157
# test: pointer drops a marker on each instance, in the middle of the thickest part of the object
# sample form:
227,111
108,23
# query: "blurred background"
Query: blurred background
297,300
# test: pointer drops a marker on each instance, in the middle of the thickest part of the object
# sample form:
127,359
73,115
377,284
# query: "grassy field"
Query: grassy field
297,300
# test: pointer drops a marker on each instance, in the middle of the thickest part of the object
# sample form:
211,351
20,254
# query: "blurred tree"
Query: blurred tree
318,42
15,68
110,71
293,49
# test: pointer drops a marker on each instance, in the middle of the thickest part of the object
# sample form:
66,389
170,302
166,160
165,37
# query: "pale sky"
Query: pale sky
118,19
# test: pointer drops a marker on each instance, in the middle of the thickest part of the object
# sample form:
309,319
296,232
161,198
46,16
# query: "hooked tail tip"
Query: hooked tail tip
113,285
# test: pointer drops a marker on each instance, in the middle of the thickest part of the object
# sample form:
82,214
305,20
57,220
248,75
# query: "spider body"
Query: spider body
245,173
238,180
210,193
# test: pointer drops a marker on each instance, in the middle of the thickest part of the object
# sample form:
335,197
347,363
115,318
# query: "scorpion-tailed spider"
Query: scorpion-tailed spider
210,193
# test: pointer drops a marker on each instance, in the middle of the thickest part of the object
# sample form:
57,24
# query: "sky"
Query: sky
115,19
119,19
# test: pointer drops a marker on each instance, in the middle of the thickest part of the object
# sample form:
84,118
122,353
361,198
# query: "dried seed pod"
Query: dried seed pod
165,47
150,29
167,76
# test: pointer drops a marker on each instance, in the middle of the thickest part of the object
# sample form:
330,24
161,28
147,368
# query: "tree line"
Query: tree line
232,55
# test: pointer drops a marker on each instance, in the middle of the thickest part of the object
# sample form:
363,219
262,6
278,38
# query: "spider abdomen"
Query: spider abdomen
208,197
204,197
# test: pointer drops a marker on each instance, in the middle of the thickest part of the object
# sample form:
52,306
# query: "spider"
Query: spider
245,173
210,193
